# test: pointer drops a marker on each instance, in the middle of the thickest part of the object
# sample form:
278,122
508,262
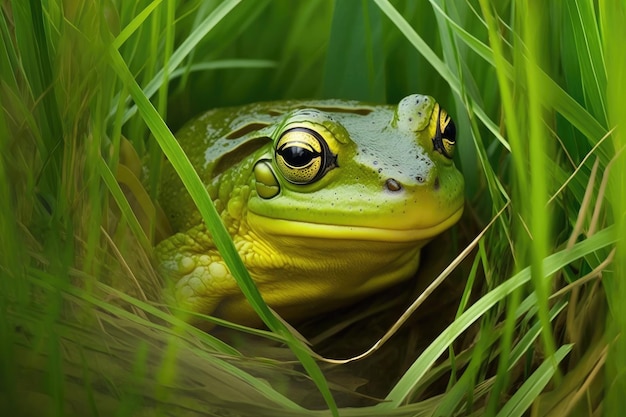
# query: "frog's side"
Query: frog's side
326,202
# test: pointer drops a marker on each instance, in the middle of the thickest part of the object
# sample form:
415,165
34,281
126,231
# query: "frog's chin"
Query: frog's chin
295,228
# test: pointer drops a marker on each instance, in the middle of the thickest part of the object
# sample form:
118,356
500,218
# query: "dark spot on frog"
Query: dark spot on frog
393,185
380,170
410,119
419,179
436,183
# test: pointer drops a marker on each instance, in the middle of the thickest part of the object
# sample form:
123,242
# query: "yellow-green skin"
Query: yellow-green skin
313,237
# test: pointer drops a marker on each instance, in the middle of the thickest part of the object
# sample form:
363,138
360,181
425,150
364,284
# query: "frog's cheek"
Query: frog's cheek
267,185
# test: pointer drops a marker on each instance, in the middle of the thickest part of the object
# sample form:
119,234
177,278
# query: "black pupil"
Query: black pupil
449,131
296,156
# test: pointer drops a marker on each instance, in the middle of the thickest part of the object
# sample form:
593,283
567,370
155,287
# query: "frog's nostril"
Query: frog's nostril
436,184
393,185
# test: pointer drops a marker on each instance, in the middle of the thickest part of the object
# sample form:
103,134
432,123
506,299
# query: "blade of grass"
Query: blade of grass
531,335
183,51
196,189
12,283
457,393
612,18
541,155
135,24
553,95
354,56
551,264
30,36
127,212
589,50
9,66
209,342
530,390
223,64
437,63
456,60
39,279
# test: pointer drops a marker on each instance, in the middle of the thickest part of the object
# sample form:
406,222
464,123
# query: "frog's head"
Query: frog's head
367,173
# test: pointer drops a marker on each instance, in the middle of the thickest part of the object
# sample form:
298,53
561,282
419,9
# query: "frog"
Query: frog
327,202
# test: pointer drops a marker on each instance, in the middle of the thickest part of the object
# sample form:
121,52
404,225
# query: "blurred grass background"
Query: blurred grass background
536,311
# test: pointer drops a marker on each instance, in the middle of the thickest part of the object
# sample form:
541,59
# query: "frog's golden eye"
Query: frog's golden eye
302,155
445,135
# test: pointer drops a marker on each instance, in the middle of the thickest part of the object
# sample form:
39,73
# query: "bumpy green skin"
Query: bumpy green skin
357,228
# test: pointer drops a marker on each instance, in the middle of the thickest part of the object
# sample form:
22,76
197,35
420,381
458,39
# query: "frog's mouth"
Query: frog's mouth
295,228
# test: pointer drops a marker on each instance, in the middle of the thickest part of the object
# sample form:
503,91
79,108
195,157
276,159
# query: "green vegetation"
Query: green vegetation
538,310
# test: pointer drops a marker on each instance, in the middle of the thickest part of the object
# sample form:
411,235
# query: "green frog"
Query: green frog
326,202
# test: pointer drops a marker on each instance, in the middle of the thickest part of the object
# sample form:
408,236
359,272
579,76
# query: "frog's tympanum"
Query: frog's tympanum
326,202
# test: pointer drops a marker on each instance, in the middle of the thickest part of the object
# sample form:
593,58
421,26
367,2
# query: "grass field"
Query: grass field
529,321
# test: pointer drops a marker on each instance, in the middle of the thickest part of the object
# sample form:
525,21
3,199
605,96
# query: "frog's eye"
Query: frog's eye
302,155
445,135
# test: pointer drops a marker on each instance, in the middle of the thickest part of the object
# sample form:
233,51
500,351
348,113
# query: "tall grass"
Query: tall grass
537,312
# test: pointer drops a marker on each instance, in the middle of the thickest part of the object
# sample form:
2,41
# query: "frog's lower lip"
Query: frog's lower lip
294,228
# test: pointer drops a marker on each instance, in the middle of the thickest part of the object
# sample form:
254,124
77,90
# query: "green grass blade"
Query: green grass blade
612,18
175,333
127,212
31,38
183,50
135,24
222,239
9,66
532,387
223,64
554,96
437,63
553,263
531,335
589,48
12,283
540,157
355,55
459,391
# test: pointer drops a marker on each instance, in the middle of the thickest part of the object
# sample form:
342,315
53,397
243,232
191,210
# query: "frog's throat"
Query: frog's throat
294,228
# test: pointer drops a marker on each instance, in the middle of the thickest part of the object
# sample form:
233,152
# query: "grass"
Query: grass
530,321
